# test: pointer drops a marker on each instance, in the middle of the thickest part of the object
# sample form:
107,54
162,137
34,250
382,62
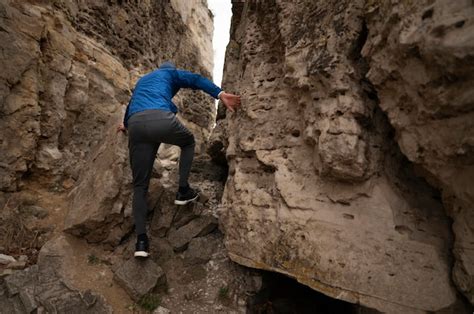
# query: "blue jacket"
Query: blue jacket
156,89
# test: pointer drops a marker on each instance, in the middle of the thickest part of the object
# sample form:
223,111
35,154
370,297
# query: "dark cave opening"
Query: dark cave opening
283,295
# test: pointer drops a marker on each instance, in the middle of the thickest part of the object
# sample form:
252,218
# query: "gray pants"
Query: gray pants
147,130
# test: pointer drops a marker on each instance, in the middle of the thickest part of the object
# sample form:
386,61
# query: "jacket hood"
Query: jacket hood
167,65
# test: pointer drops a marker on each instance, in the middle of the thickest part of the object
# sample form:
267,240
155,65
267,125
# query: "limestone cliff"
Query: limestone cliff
352,148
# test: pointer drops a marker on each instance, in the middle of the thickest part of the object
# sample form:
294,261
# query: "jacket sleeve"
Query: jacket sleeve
186,79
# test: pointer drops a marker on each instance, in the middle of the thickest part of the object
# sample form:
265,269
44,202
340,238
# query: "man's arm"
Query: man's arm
188,79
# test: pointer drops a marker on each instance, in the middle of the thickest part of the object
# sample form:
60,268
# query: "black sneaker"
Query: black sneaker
142,249
184,198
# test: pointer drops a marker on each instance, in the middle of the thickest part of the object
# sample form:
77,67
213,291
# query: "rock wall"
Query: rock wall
352,146
68,70
422,69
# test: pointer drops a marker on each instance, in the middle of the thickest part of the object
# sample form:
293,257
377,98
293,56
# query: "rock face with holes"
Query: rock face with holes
354,114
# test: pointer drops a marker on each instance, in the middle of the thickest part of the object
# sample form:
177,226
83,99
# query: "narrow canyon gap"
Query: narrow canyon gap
349,167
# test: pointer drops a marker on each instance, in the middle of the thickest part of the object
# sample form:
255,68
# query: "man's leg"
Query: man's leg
182,137
142,156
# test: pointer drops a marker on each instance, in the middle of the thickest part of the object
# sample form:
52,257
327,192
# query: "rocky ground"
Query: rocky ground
188,272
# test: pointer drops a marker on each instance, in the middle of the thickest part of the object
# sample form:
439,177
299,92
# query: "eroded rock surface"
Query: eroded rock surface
422,68
318,187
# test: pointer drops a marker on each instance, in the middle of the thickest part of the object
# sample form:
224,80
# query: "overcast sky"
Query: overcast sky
222,10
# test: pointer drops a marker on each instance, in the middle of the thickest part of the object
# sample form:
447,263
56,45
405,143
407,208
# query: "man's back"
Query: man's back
156,89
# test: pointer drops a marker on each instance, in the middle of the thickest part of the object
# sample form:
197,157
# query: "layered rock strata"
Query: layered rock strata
348,107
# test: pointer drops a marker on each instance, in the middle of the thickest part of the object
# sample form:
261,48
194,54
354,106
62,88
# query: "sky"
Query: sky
222,10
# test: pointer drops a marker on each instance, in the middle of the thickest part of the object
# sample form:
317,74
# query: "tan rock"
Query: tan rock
63,89
428,97
318,188
66,73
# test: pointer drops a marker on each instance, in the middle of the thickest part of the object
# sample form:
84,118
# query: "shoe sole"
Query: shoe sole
141,254
177,202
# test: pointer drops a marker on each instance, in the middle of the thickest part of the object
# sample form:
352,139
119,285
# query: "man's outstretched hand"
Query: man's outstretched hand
231,101
121,128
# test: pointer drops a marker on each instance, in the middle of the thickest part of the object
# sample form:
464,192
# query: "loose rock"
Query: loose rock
16,265
201,226
139,277
6,259
200,250
161,310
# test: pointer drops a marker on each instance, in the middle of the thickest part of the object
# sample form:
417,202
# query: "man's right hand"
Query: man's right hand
121,128
231,101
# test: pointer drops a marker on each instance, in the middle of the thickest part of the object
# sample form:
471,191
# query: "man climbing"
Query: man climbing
150,120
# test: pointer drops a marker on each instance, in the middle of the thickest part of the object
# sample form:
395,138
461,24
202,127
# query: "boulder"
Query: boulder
98,208
165,212
179,238
200,250
139,277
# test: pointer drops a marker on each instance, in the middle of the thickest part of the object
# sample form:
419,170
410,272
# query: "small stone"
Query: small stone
68,183
161,310
23,258
28,198
6,272
139,277
16,265
6,259
40,212
34,210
